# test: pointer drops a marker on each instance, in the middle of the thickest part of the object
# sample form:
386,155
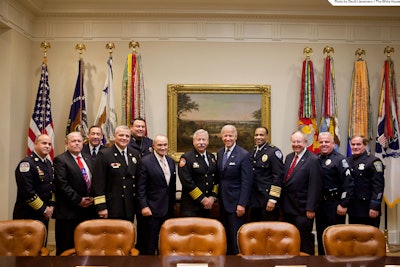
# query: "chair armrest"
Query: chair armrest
69,252
304,254
44,252
134,252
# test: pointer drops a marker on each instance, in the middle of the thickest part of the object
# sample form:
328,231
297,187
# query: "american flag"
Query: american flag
41,121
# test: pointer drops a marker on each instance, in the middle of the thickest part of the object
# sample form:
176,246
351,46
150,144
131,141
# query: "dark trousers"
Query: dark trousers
365,220
326,215
260,214
196,213
64,233
305,227
148,230
232,223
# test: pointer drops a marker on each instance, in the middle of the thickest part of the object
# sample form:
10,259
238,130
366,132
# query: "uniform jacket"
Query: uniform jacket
35,188
144,147
235,178
268,175
70,187
197,178
368,174
114,182
86,149
302,191
338,184
153,190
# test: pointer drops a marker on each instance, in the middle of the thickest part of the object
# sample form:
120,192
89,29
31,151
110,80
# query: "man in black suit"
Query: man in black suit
114,178
301,190
235,180
139,140
74,203
196,172
94,144
156,195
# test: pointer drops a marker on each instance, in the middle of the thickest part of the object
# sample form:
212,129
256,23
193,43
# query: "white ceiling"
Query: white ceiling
274,8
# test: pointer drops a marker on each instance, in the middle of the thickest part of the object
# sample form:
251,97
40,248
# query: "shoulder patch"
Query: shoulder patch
278,154
182,162
378,166
24,167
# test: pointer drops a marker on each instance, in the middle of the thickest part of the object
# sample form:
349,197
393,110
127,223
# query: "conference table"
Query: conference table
185,261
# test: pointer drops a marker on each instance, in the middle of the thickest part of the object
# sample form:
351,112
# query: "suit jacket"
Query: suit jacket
114,182
235,178
302,191
153,190
86,149
70,188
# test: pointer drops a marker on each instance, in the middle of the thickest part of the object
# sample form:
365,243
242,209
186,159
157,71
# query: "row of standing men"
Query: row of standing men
135,176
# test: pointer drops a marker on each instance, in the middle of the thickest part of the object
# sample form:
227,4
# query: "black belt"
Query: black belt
331,194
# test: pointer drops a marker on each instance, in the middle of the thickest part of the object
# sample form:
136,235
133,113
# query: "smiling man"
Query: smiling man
235,180
338,185
302,190
368,173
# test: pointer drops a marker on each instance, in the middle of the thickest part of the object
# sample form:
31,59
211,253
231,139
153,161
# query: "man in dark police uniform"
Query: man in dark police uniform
367,171
139,141
268,176
338,186
114,178
197,174
34,177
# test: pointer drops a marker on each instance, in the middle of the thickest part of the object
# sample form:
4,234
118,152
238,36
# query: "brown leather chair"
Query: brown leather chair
104,237
192,236
269,238
351,240
22,238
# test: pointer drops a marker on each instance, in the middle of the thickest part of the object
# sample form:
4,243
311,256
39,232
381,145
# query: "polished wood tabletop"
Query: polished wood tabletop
173,261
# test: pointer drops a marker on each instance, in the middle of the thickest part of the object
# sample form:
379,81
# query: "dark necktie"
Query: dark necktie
205,159
84,173
291,168
94,154
225,158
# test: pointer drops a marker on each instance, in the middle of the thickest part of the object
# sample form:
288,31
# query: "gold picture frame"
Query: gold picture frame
210,106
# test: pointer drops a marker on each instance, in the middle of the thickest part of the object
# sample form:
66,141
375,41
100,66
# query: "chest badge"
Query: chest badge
361,166
264,158
328,162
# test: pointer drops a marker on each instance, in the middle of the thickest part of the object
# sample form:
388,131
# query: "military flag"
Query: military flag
329,120
41,120
133,93
307,123
106,117
360,105
77,119
387,138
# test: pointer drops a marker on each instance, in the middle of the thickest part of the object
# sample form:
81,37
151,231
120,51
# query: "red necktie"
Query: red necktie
84,173
291,168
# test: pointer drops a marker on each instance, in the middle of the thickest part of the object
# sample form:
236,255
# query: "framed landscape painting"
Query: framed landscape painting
210,107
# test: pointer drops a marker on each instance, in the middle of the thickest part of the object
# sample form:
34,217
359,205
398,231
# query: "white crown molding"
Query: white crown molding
197,25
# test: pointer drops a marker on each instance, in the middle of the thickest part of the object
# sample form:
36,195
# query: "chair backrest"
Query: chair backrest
268,238
104,237
22,237
192,236
350,240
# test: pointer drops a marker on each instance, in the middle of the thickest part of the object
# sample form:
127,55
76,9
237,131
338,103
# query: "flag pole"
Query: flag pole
44,46
80,48
389,248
